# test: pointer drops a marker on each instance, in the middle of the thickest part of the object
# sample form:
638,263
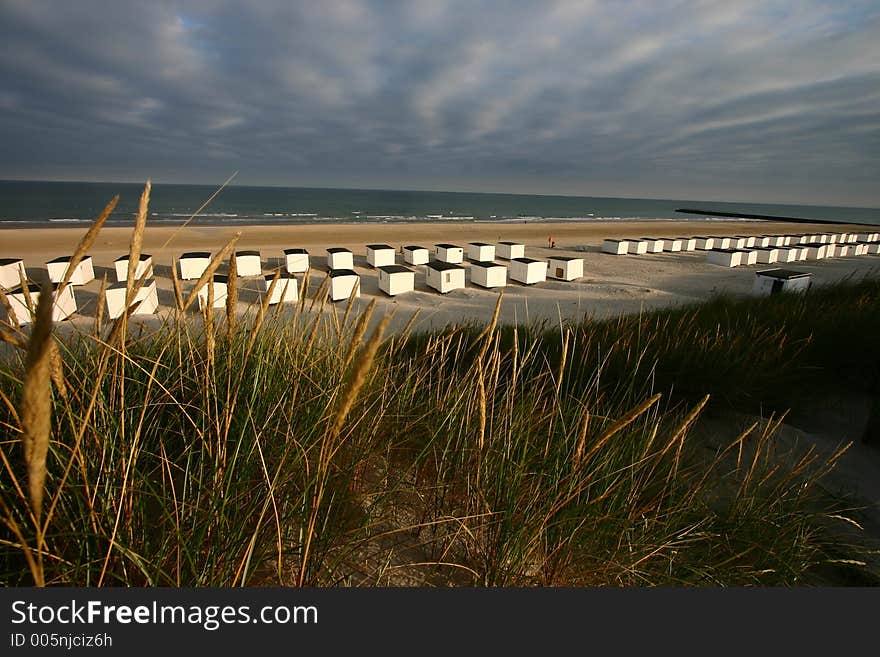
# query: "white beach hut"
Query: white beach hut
511,250
339,258
220,286
286,290
144,266
638,247
762,241
445,276
655,244
396,279
83,273
615,247
488,274
565,268
749,257
344,283
842,250
787,254
248,263
767,256
481,252
688,243
705,243
528,271
64,306
673,244
192,265
147,295
739,242
874,248
724,257
296,261
723,243
816,251
11,272
776,281
416,255
380,255
449,253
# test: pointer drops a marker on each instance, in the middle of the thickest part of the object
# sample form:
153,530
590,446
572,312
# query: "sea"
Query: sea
41,204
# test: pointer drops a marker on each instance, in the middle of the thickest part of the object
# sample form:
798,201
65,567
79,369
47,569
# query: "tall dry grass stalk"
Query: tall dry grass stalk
11,317
36,414
136,244
231,298
201,207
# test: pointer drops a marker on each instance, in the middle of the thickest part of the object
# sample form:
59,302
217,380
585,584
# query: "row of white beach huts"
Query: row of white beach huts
444,273
736,250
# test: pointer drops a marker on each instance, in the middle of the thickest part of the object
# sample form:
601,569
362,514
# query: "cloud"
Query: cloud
733,99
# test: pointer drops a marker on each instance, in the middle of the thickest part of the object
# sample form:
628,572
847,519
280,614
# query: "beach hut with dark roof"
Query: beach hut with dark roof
144,266
767,256
565,268
449,253
248,263
724,257
445,276
816,251
488,274
220,285
296,261
654,244
396,279
380,255
12,272
83,273
528,271
339,258
705,243
343,284
146,297
416,255
612,246
193,264
776,281
510,250
481,252
638,247
286,290
63,307
673,244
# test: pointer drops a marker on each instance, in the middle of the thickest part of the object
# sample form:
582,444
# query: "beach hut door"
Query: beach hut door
559,272
448,277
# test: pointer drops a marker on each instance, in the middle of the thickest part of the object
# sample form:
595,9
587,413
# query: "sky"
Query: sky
740,100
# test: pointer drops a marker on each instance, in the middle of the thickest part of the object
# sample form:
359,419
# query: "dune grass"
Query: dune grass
301,448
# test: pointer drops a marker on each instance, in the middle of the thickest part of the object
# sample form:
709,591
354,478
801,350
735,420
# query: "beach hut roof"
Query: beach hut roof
377,247
247,253
783,274
447,246
564,258
9,261
35,287
143,256
486,264
341,272
196,254
729,250
338,250
281,275
221,278
510,243
479,244
527,261
395,269
439,265
295,251
413,247
60,259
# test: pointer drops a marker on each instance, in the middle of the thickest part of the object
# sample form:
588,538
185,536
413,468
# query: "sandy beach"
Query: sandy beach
611,284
